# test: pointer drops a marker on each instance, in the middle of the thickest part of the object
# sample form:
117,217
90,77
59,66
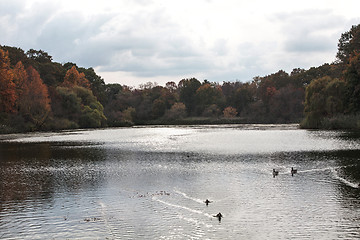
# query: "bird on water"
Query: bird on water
275,173
219,216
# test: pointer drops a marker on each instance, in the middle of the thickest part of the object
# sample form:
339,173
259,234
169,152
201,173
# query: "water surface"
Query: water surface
151,183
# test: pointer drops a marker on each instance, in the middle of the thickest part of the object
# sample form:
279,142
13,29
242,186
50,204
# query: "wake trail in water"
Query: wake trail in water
197,199
103,214
324,169
343,180
315,170
333,171
188,197
182,207
187,218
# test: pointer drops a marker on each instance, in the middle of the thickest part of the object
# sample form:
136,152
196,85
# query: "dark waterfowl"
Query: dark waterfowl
207,202
275,173
293,171
219,216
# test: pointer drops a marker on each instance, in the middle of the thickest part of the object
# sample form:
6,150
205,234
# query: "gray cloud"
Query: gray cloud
147,45
11,8
150,42
24,23
310,30
70,37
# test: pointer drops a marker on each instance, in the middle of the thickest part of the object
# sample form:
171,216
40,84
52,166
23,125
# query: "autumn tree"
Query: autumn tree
71,78
7,86
20,79
15,54
269,84
34,101
83,82
74,78
230,112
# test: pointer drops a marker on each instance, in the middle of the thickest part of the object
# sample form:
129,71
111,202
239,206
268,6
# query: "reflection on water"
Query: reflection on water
151,183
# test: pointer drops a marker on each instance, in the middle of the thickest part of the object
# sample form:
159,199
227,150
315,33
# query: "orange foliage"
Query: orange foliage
34,103
354,61
230,112
20,79
37,89
270,91
74,78
7,86
83,82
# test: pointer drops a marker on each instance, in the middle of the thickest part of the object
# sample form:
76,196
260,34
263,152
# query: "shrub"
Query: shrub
230,112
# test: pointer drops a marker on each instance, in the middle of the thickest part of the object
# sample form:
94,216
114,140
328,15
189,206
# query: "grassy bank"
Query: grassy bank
338,122
194,121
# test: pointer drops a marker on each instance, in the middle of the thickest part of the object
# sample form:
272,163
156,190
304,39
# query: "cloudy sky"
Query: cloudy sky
135,41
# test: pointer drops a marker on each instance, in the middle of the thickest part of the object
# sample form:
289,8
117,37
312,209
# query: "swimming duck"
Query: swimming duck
219,216
275,173
293,171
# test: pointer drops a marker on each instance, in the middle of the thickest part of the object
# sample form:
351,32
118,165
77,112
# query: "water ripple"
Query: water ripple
151,183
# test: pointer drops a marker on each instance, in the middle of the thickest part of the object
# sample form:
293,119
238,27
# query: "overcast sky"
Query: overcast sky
135,41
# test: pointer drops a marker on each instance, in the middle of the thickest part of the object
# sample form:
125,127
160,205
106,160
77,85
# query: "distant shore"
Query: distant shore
343,122
338,122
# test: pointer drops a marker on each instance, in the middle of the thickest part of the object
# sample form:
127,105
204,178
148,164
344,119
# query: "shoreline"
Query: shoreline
343,122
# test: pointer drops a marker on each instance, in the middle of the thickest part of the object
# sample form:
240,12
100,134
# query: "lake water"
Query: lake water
151,183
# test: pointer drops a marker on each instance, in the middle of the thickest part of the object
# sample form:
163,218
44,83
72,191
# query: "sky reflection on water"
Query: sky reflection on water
228,139
151,182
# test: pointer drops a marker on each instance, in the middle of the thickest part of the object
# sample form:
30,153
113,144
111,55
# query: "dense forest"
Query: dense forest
37,93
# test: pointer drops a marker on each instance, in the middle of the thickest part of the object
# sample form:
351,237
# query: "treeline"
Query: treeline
37,93
333,101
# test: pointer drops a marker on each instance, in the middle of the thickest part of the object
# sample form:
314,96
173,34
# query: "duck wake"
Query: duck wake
182,207
188,197
335,174
343,180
